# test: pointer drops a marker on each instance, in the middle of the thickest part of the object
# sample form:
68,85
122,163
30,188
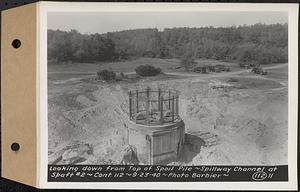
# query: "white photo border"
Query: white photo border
42,112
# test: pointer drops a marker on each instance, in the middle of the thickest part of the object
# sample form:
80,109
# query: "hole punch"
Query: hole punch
16,43
15,146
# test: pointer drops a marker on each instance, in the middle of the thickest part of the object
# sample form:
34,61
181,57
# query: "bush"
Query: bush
232,80
106,75
147,70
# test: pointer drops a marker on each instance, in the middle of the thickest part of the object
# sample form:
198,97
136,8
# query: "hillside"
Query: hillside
259,43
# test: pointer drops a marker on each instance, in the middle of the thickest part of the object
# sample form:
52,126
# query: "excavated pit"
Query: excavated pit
238,122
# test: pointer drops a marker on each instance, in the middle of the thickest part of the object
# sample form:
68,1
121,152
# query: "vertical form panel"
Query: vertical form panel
177,105
137,101
162,110
148,106
173,100
174,139
159,94
130,100
169,99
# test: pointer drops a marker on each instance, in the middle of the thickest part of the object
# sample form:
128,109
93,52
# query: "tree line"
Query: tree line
259,43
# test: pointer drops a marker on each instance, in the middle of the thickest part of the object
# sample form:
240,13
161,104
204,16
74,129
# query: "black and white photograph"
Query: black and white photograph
169,88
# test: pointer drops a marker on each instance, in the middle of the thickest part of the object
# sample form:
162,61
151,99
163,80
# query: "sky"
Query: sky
103,22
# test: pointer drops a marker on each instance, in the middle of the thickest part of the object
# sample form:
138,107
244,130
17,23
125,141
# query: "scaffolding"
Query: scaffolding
154,107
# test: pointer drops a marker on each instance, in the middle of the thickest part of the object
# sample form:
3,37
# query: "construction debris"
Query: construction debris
71,154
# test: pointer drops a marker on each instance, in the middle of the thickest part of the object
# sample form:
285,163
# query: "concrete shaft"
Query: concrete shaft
160,144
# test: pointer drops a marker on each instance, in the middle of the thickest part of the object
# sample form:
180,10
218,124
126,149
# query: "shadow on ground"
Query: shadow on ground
194,142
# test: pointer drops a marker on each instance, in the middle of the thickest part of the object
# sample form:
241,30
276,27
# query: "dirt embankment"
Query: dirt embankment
228,121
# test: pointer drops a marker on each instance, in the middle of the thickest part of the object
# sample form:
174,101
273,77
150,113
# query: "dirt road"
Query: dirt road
182,74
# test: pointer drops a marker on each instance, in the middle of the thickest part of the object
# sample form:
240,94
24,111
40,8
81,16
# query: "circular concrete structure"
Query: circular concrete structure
160,144
155,130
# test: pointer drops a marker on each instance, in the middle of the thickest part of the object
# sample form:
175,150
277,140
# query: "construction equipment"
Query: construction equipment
220,68
259,70
203,69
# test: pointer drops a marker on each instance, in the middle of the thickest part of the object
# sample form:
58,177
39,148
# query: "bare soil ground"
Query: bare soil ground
230,118
167,65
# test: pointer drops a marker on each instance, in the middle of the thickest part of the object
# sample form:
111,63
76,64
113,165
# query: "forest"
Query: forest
259,43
